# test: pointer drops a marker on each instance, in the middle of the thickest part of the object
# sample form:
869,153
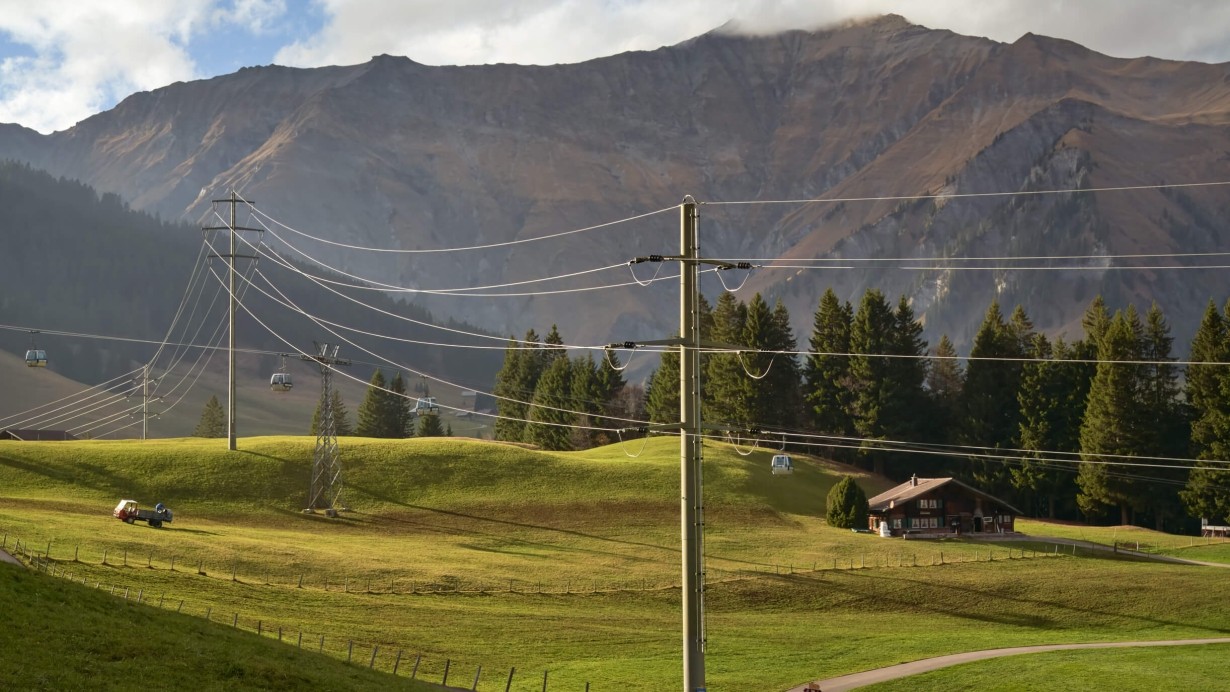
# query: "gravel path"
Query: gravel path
869,677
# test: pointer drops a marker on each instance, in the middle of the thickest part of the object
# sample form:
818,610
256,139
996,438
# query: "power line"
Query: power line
462,249
430,377
963,195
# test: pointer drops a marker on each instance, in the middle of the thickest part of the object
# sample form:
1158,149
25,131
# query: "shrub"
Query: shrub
847,505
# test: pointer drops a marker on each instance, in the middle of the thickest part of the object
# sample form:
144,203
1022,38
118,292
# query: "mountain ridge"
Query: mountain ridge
394,154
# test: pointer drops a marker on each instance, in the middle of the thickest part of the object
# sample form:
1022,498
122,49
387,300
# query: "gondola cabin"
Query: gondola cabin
281,382
781,464
426,405
36,358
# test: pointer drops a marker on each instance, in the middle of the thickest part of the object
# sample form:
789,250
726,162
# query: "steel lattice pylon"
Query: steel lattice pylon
325,491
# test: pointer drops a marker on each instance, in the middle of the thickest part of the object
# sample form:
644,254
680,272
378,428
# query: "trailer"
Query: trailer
130,512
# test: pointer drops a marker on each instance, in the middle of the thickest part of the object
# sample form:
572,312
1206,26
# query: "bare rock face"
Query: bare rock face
394,154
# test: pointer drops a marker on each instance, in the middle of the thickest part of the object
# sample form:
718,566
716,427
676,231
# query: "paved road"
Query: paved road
5,557
869,677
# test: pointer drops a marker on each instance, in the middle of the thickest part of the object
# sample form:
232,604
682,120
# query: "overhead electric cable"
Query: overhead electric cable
296,308
462,249
426,376
963,195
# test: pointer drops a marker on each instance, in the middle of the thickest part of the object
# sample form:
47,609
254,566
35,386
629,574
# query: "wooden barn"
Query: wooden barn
933,507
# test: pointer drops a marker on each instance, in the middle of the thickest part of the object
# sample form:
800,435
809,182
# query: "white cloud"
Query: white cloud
551,31
82,56
88,55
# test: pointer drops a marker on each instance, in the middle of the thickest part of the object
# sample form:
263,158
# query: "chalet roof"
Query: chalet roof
917,487
30,435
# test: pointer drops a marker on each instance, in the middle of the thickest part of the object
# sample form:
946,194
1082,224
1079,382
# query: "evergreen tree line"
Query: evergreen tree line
1013,419
548,399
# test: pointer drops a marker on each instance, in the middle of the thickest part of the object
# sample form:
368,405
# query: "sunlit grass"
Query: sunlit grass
500,556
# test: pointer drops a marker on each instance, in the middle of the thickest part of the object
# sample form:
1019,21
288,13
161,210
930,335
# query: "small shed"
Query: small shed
36,435
934,507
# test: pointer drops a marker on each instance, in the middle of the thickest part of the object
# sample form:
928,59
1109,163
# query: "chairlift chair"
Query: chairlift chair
35,357
281,380
781,464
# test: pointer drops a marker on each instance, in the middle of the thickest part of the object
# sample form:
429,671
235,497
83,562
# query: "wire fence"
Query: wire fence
439,670
442,585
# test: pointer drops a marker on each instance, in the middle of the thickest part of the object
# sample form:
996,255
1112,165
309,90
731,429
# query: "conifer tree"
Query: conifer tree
1168,433
990,408
429,425
826,371
1207,493
374,420
944,383
872,334
551,395
341,419
725,387
1042,399
662,390
401,416
847,505
1113,425
611,386
514,386
586,395
784,406
213,420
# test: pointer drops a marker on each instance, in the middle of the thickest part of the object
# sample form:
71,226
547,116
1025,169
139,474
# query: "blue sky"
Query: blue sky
64,60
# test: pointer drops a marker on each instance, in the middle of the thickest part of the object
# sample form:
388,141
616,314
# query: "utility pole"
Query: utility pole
145,399
690,426
691,505
325,486
234,201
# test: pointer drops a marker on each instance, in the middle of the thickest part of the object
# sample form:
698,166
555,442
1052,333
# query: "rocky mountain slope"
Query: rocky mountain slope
393,154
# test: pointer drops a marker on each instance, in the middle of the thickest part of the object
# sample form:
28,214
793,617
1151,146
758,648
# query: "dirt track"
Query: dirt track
869,677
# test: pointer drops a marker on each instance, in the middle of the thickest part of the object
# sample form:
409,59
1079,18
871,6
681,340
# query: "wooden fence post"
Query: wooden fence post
75,549
447,663
104,556
508,686
372,663
235,622
300,581
322,642
544,681
397,662
349,650
476,674
417,660
300,645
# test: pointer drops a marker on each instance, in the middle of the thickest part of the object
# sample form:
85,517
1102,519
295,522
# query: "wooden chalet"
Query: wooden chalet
934,507
36,435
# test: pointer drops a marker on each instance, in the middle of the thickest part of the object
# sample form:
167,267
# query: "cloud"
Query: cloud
83,57
553,31
69,60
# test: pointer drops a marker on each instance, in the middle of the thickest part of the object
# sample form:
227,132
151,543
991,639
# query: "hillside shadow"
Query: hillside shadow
1036,620
458,531
79,474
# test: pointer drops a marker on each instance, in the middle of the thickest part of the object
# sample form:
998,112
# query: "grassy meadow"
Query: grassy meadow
497,556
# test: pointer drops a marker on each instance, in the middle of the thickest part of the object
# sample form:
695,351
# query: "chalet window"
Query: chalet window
930,504
897,523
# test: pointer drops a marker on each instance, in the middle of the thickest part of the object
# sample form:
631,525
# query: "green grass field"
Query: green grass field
494,555
1126,670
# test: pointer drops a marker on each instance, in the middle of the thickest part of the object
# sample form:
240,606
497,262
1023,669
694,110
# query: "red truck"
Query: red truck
128,511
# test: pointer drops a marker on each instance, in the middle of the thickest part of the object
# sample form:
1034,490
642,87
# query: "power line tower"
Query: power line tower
325,488
690,428
230,258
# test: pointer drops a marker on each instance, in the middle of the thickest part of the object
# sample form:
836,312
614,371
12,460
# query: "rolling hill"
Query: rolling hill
492,555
